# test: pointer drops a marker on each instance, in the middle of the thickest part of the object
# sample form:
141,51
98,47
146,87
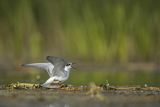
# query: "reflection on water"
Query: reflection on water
58,105
81,78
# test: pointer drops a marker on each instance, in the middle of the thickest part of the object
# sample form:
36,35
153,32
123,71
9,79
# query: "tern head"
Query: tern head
68,66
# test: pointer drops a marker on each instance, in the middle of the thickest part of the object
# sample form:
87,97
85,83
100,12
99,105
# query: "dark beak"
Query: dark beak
73,65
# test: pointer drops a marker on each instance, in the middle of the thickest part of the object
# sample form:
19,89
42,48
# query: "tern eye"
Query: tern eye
68,64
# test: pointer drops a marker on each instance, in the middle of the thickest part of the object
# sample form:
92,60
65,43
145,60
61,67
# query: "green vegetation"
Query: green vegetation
105,30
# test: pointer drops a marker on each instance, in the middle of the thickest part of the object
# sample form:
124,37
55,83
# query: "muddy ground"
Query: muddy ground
92,95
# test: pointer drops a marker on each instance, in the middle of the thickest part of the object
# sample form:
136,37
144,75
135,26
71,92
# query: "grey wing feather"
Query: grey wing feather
54,60
58,70
46,66
59,64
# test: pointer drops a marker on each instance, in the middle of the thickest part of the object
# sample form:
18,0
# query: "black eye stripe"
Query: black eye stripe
68,64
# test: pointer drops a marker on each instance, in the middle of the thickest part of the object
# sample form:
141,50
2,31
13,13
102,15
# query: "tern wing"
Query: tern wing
58,70
56,60
45,66
59,64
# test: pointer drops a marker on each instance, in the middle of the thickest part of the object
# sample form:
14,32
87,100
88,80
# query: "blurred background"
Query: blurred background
104,34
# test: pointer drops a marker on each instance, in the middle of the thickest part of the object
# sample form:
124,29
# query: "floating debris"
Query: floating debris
95,91
19,85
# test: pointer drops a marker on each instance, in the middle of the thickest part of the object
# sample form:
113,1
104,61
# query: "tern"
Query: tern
57,68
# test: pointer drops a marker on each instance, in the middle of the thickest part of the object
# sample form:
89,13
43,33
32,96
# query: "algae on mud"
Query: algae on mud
91,88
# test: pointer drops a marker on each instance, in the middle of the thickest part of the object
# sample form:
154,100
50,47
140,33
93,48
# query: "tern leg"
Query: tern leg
48,82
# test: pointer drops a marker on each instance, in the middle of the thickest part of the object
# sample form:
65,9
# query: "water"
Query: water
86,77
52,98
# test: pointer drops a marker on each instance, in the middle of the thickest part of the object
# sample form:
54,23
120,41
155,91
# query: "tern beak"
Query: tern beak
73,66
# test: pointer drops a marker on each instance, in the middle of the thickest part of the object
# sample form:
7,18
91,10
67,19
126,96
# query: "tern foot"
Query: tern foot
45,85
55,85
51,86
